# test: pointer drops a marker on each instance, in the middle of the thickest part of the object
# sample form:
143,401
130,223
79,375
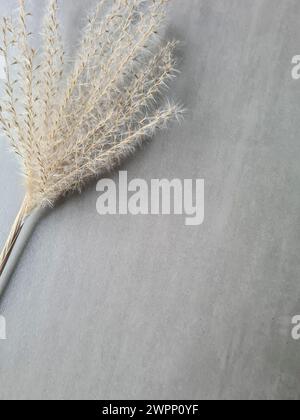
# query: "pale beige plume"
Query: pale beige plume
69,126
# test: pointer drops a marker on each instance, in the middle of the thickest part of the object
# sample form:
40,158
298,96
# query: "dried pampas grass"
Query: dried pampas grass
69,128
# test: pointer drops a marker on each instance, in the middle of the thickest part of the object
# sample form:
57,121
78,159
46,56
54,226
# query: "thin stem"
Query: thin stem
13,235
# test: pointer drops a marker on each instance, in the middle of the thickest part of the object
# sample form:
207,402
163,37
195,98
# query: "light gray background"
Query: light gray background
144,307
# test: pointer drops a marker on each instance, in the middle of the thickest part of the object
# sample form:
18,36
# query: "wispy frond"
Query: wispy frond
68,126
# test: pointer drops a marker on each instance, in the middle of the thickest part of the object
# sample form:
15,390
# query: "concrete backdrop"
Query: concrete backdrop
144,307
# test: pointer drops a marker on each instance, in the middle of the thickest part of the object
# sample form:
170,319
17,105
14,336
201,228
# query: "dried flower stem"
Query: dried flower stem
13,235
69,128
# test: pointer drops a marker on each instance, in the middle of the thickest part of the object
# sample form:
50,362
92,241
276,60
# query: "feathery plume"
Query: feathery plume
68,127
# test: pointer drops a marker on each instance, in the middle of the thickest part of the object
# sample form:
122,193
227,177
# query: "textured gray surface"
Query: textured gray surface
144,307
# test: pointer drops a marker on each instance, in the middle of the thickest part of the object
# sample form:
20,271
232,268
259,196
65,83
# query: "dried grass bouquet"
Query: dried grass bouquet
70,123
